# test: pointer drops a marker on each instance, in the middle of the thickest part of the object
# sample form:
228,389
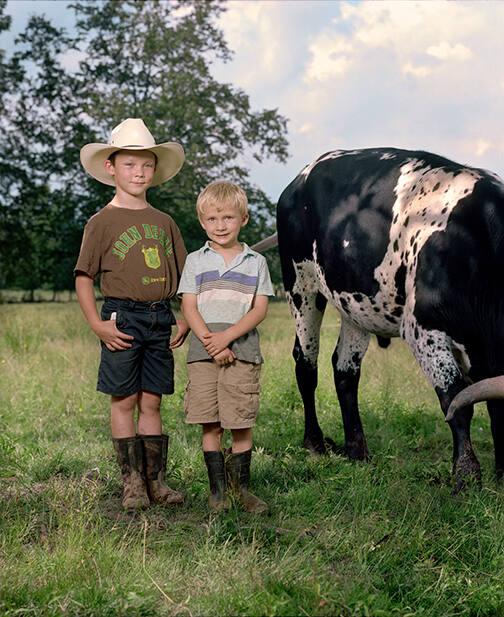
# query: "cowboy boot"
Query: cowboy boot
239,469
156,453
130,458
217,500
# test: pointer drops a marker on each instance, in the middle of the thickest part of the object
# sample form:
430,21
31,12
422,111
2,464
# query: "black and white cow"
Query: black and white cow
402,243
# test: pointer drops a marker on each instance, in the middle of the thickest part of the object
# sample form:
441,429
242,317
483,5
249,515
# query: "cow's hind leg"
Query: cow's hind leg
466,467
433,352
308,311
496,411
346,360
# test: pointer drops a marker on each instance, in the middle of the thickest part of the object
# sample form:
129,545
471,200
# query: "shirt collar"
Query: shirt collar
246,249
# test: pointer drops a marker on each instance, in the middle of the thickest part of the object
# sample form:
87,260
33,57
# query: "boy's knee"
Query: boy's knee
149,411
124,404
149,403
212,427
241,433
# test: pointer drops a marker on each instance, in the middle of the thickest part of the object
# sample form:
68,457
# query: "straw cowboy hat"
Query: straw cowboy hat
132,134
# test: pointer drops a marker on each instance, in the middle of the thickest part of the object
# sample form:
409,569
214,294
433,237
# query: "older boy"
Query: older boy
139,253
225,288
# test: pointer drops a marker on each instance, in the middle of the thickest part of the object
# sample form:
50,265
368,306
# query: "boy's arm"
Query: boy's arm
189,306
105,330
198,326
182,329
215,342
180,256
180,335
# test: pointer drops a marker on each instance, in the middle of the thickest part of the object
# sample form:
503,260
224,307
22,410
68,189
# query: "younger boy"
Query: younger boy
139,253
225,288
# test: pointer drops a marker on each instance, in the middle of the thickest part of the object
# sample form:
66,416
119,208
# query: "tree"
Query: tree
152,60
5,22
149,59
39,159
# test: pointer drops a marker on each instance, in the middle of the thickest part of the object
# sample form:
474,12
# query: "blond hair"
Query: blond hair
221,194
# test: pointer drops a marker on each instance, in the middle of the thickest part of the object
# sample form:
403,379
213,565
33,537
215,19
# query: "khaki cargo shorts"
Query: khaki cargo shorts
226,394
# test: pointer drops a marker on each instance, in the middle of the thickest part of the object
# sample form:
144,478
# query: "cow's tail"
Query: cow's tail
484,390
266,243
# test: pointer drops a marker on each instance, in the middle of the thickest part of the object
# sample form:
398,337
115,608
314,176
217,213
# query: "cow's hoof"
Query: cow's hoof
316,445
467,473
331,446
466,482
357,450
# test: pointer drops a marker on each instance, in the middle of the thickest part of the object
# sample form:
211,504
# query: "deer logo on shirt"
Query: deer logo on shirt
151,256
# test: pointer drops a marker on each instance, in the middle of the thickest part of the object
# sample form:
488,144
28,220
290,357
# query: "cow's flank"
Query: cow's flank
401,243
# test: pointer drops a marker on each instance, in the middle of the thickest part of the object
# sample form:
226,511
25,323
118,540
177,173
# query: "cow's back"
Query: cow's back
357,222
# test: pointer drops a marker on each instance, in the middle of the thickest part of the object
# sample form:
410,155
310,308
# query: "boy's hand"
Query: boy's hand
181,334
215,342
114,339
225,357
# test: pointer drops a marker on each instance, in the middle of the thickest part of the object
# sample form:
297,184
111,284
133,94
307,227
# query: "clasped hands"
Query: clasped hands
217,345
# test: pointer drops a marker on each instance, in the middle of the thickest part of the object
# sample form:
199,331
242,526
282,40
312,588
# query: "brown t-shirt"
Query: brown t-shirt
139,253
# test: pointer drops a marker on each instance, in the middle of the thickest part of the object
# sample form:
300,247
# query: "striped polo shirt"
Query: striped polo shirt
224,295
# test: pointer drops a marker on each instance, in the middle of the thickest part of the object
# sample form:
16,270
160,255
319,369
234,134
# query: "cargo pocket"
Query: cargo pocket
247,400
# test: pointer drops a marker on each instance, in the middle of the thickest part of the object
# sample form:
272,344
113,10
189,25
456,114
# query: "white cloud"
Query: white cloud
445,51
482,146
384,24
256,30
404,33
329,58
410,74
416,71
307,127
405,24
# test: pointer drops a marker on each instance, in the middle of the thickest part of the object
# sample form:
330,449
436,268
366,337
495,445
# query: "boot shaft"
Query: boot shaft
130,454
239,469
129,451
216,469
156,454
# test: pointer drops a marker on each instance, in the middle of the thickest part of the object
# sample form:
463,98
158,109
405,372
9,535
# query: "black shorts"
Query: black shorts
148,364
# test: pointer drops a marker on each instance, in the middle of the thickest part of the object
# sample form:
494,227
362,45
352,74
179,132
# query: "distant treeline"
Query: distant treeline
60,90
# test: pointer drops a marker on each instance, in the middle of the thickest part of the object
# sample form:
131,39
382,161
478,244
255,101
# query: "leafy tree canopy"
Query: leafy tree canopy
149,59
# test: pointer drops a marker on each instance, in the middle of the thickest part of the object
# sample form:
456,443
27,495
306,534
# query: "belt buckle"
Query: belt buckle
154,305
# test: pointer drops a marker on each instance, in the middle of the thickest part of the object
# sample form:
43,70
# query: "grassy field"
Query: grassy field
365,539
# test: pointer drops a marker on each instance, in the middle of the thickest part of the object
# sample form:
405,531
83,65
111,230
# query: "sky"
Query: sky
425,75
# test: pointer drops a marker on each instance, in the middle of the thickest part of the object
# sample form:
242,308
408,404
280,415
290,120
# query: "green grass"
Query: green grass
352,539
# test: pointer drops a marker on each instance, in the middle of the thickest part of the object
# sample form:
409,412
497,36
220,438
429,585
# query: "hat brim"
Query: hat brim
170,158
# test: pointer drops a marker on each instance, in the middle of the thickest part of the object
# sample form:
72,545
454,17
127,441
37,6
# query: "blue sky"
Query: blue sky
410,74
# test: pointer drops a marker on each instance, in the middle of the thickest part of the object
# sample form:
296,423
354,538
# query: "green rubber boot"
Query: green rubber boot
129,452
218,499
239,469
156,453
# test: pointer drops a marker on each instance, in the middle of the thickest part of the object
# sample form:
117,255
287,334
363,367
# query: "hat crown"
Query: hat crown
131,133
